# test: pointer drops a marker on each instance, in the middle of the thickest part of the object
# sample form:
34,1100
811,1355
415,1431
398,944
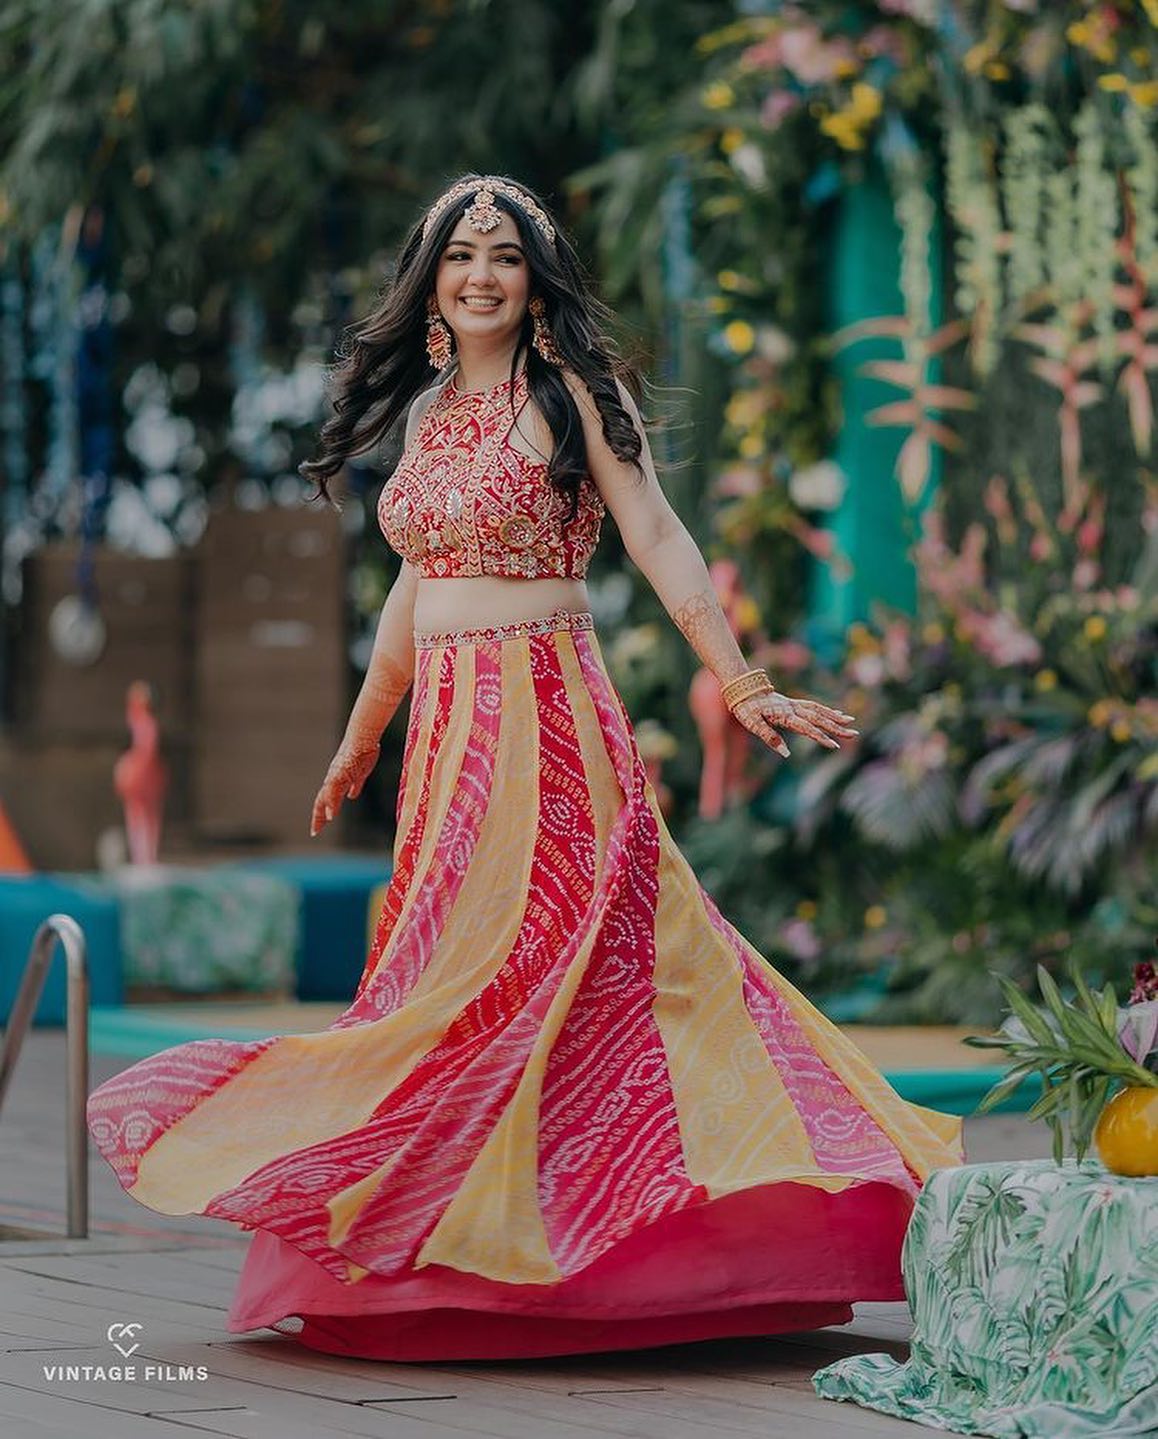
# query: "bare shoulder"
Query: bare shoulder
590,410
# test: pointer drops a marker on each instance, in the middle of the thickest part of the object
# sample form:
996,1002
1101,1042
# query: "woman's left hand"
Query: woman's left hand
765,715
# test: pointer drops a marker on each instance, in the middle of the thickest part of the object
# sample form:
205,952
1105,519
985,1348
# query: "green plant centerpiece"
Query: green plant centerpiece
1084,1052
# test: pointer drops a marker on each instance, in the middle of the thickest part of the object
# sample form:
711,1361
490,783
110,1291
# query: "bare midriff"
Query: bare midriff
479,601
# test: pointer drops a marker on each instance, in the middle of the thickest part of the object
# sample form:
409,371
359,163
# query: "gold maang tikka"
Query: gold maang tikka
482,214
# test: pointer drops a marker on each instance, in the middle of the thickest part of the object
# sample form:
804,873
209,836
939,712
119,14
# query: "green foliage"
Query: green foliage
1075,1051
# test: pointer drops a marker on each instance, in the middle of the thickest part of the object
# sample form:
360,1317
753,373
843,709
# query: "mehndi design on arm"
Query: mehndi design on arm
704,625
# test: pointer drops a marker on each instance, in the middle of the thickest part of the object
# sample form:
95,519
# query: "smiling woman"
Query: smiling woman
569,1107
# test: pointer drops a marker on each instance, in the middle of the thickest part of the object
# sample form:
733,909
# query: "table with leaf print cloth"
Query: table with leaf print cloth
1034,1293
200,931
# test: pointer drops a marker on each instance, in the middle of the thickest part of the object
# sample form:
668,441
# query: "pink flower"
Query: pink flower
777,106
765,55
1138,1031
882,40
811,58
800,939
738,481
867,669
1145,982
788,655
923,11
821,543
1089,535
1000,638
896,647
1086,572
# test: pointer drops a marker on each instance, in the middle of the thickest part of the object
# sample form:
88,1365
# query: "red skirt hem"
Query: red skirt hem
768,1260
459,1334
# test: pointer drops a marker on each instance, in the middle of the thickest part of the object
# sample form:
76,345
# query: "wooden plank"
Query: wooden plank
291,1371
71,1416
158,1275
90,1303
164,1396
669,1415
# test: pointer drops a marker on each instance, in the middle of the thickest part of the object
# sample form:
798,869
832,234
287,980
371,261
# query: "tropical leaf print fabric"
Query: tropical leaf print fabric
1034,1291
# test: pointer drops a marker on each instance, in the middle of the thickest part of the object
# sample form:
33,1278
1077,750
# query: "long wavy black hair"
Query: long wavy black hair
384,363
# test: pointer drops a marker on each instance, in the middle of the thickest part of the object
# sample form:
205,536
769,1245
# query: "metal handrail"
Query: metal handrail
64,928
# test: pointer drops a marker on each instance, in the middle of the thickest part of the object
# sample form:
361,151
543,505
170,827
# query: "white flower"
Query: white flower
818,487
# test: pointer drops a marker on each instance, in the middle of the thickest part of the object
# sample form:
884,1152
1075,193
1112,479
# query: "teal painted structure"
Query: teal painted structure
874,526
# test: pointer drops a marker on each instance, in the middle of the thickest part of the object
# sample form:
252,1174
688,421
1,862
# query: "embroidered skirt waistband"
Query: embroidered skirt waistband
543,625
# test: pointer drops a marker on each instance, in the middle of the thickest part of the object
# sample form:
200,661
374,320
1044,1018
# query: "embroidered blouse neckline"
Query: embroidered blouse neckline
487,391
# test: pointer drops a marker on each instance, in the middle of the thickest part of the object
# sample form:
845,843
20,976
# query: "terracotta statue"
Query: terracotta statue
140,776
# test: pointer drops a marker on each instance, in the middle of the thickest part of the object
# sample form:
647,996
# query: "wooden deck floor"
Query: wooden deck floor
175,1277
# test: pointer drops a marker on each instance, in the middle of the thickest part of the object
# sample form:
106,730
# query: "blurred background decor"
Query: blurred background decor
891,270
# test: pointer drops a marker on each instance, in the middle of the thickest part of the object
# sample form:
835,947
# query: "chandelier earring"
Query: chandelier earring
438,345
542,339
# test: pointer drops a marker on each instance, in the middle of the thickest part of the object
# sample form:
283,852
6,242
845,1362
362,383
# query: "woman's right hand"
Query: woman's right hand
348,772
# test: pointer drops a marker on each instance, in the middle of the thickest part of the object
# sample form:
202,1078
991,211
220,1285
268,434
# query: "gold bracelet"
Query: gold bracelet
751,682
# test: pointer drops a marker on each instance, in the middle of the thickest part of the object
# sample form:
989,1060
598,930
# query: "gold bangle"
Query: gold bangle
751,682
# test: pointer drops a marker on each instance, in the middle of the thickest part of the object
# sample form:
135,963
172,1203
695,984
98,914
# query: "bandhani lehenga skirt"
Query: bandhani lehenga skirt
570,1108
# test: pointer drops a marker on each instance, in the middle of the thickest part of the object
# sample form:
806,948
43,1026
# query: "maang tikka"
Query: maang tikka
438,346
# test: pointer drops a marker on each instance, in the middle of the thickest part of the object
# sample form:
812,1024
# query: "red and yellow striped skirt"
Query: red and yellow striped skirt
570,1107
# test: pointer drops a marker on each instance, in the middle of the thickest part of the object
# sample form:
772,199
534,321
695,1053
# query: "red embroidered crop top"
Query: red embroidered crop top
465,501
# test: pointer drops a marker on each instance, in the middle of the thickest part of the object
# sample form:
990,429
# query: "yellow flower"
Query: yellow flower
976,58
739,337
806,909
1098,713
997,70
731,140
718,96
1120,730
844,68
866,101
933,633
1145,94
875,916
842,128
1139,54
1079,33
1095,627
1045,680
125,102
1113,82
730,280
718,305
751,446
747,613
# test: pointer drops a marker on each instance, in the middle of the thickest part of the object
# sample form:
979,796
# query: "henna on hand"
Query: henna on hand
702,622
763,715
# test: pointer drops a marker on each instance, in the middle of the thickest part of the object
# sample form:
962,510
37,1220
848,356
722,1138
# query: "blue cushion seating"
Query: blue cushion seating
25,902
